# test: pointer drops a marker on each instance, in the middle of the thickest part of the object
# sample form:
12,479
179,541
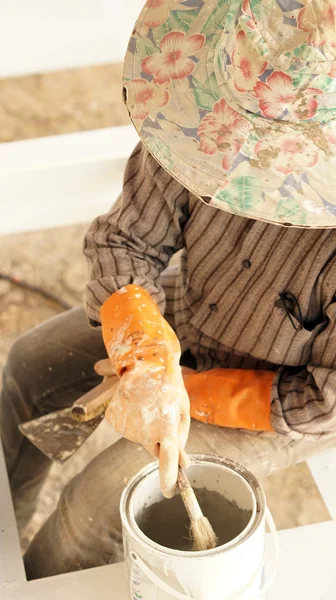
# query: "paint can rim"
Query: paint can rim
133,530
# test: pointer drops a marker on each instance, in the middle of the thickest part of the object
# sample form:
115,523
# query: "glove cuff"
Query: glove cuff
233,398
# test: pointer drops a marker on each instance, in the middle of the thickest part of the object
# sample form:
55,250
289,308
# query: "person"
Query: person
235,107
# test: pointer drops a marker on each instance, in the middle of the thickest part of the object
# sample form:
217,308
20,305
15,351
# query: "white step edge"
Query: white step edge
11,565
68,149
61,180
323,469
307,563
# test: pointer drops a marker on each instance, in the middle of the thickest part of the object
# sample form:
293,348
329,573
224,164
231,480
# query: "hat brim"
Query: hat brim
281,172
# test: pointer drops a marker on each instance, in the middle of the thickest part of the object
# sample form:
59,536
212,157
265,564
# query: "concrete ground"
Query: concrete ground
60,103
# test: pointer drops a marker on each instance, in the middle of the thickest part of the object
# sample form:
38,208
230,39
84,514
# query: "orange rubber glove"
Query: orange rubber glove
231,398
151,405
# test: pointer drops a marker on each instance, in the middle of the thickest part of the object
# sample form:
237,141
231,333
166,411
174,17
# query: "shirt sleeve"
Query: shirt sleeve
304,401
135,240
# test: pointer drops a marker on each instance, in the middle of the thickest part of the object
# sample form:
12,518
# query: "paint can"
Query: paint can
232,571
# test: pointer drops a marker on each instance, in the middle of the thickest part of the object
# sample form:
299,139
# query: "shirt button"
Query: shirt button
213,307
247,264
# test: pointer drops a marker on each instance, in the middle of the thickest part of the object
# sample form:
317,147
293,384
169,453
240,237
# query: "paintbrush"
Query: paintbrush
202,534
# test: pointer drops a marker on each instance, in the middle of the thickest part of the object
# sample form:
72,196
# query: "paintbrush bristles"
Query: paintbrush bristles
203,536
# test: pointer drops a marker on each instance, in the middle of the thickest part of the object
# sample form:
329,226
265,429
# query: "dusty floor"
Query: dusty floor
60,103
63,102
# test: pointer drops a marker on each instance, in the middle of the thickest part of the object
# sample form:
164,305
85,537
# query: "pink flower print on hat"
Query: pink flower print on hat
286,153
174,59
158,11
146,97
278,95
246,9
247,63
223,130
332,72
318,19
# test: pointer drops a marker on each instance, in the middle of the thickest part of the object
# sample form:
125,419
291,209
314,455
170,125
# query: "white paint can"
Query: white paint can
232,571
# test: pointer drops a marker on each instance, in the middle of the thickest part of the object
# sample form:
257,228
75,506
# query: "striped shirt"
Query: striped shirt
226,297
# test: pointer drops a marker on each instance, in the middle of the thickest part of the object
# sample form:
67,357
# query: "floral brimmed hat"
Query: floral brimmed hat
237,100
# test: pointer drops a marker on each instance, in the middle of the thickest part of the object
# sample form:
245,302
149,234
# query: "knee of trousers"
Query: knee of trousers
76,536
17,396
87,517
86,525
22,368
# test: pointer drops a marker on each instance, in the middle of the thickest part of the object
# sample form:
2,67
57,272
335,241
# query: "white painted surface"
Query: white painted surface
54,181
307,564
102,583
323,469
48,35
68,149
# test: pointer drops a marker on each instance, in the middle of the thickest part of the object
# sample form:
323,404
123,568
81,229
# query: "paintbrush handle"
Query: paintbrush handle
96,401
188,496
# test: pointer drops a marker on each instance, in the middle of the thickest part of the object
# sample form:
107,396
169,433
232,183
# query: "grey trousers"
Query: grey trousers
49,368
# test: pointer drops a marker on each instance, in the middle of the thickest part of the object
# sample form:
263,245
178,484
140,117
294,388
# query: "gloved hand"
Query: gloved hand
236,398
150,405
